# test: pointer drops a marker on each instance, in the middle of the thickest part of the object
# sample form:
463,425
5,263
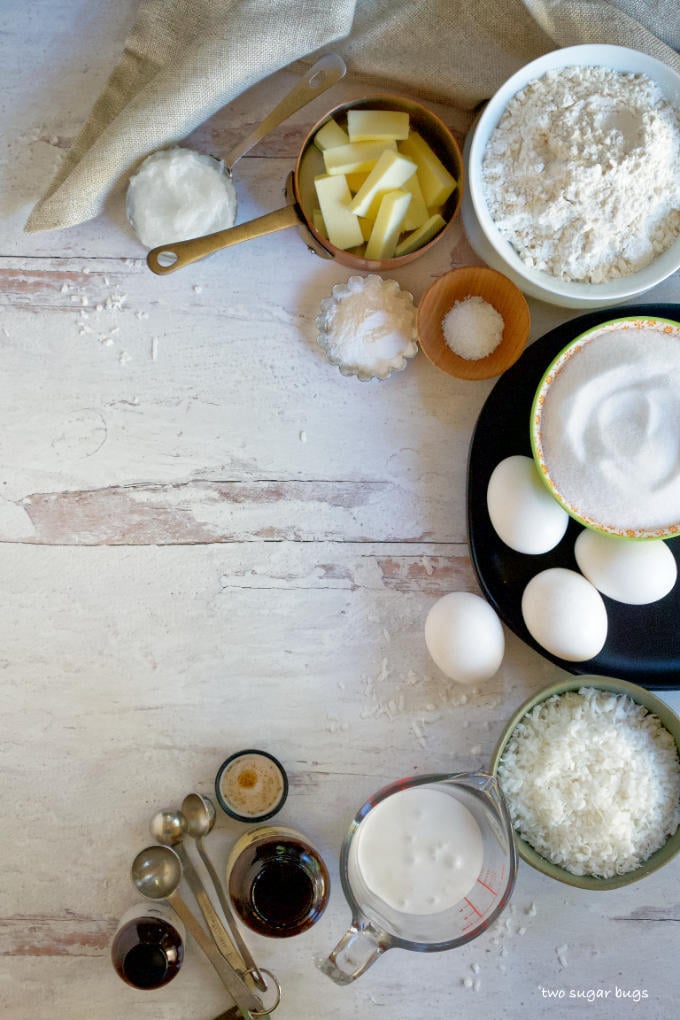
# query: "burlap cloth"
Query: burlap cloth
184,59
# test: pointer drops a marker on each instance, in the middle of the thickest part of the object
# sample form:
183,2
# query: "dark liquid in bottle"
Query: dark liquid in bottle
147,952
279,888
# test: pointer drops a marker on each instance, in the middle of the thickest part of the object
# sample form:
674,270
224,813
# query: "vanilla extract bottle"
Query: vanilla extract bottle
148,948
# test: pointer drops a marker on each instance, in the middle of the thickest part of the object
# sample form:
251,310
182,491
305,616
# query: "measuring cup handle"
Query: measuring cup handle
355,952
166,258
327,70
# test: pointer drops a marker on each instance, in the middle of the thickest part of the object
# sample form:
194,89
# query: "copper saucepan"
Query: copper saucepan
301,197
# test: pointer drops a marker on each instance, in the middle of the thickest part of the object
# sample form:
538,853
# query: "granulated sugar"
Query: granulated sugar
582,173
610,428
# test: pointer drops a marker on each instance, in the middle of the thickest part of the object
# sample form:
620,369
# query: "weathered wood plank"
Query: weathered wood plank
56,935
212,511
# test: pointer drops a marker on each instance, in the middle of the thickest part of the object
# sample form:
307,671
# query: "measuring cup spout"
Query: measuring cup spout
358,948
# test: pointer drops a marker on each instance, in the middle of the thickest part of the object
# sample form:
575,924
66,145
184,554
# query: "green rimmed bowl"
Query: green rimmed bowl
669,720
567,495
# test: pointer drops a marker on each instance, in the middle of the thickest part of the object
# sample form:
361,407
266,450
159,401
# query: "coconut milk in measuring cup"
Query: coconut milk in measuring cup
427,864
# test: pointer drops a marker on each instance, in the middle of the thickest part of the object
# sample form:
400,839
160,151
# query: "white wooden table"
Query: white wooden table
212,540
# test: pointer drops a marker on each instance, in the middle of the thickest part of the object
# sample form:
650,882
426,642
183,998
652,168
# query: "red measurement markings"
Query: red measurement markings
492,891
472,907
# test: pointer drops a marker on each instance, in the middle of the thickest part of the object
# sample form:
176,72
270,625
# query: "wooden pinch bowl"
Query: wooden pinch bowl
494,288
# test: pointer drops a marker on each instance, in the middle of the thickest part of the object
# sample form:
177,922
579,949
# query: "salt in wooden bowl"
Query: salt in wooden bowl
492,287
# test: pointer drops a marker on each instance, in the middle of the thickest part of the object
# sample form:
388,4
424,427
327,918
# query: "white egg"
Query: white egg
565,614
523,513
632,572
465,637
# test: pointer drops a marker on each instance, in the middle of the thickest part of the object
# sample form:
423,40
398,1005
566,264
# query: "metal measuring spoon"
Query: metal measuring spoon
156,873
199,813
169,828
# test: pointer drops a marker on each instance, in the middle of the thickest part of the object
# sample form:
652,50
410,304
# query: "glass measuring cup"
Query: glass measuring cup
377,924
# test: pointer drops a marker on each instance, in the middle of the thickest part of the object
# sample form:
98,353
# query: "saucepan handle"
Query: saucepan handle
167,258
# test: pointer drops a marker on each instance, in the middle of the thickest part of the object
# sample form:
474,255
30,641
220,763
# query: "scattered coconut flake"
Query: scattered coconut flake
303,437
561,953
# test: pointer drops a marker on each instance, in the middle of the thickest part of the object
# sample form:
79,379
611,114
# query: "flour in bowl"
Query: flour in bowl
582,173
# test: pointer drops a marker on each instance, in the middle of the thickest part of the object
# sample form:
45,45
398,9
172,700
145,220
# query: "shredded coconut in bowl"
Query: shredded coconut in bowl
592,782
582,173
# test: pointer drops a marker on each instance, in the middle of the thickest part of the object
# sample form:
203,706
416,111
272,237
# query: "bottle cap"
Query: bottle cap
251,786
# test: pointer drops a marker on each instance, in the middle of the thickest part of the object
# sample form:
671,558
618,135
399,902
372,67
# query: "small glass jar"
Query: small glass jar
277,880
148,948
251,786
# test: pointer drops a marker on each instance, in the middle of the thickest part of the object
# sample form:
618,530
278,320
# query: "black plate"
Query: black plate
643,642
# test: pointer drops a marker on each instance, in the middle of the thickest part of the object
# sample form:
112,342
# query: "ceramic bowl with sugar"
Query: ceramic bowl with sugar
605,428
484,233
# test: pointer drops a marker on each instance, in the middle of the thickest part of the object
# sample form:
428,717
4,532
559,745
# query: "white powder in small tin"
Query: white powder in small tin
368,326
473,328
582,173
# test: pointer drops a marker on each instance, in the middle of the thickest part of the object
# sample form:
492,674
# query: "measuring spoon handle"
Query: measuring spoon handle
328,70
231,920
225,946
244,997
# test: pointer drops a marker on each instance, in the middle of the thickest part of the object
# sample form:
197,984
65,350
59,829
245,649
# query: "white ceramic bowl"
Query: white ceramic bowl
482,233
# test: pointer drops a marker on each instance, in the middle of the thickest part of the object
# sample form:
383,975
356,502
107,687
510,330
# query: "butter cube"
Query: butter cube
417,212
385,233
330,135
366,227
435,180
342,226
356,157
389,173
364,125
417,238
355,181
